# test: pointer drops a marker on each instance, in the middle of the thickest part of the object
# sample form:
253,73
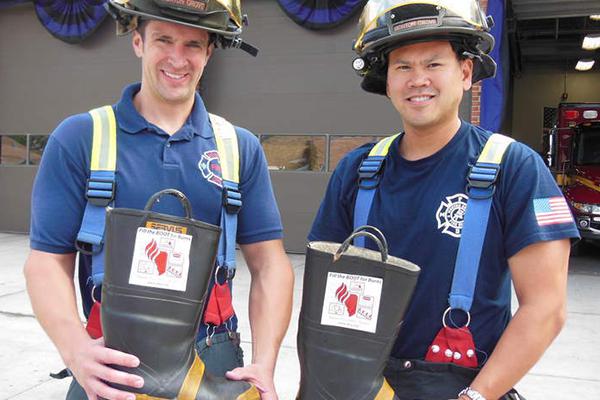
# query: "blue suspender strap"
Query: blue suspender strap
480,189
369,174
227,147
100,189
368,180
232,202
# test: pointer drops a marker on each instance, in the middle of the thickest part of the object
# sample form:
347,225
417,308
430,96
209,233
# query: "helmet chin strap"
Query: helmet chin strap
237,43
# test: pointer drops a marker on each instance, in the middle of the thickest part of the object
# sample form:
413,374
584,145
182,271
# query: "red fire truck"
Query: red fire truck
573,155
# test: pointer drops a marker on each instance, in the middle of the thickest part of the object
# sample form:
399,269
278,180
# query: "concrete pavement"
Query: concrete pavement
570,368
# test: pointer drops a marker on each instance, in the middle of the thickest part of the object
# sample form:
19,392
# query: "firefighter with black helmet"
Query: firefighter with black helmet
475,210
159,135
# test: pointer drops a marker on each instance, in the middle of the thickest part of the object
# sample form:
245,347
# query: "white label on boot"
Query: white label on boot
161,259
352,301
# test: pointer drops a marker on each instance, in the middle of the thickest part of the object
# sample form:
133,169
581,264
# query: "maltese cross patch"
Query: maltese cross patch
450,215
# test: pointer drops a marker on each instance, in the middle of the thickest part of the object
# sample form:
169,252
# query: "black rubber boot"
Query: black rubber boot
159,325
352,309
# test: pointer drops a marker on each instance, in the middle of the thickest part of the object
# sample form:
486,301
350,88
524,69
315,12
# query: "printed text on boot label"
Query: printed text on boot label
161,259
352,301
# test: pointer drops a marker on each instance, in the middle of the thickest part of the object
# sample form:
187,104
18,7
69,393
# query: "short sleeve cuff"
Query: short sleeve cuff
48,248
567,233
260,237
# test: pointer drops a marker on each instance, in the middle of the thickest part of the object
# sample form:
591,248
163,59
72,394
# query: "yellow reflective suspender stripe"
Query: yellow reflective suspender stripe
492,153
104,141
494,149
383,146
386,392
227,146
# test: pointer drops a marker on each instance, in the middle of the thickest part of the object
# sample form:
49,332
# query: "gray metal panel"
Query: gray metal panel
541,9
298,195
44,80
302,80
15,197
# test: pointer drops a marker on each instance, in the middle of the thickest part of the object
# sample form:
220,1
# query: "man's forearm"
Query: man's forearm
270,306
50,287
270,312
524,341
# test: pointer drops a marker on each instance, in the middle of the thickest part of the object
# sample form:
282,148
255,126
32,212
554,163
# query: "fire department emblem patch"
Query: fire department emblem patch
451,214
210,167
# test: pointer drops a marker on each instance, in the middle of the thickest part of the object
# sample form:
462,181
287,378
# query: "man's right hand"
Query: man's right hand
87,358
89,365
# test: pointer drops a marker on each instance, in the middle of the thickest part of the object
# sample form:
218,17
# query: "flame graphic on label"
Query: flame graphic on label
350,300
158,257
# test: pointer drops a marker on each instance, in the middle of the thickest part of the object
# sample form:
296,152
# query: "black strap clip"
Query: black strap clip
100,192
369,172
484,177
232,198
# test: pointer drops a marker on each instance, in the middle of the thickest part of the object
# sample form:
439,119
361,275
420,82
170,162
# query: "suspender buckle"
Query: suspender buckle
100,192
370,167
369,171
482,176
232,198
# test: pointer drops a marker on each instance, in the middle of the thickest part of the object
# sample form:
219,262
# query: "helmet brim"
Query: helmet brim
128,11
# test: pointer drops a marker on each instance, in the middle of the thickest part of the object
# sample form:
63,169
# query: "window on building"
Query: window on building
37,143
21,149
340,145
13,150
295,152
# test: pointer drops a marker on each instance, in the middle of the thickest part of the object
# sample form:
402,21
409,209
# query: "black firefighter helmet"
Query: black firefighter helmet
388,24
221,18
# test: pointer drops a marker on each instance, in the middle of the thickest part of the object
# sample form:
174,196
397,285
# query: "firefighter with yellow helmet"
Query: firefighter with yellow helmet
474,210
160,136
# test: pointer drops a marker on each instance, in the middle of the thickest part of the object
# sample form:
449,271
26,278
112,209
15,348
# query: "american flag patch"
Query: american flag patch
552,210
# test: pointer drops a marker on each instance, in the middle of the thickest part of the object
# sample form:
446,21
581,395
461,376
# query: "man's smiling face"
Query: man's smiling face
426,82
173,59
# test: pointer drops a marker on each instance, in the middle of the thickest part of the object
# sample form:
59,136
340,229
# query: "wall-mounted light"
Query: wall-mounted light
591,42
584,65
595,17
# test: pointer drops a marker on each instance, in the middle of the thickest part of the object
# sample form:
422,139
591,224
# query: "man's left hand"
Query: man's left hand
259,376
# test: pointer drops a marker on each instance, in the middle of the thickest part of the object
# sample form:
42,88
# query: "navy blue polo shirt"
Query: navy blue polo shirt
417,206
148,160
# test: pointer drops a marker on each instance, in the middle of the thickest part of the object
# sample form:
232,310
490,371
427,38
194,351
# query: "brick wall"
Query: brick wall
476,90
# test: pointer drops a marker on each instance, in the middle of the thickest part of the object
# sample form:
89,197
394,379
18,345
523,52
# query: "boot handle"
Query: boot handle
379,240
374,231
172,192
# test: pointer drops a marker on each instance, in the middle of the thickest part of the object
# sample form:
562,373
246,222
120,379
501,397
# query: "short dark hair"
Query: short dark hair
141,27
460,47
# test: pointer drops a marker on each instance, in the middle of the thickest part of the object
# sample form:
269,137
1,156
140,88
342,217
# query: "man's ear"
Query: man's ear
209,51
138,44
467,73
